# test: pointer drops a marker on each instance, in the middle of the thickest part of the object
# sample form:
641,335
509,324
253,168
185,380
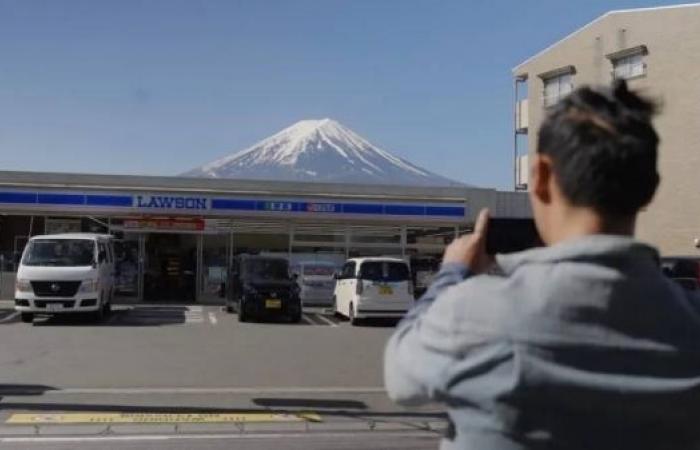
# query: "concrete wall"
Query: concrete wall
672,37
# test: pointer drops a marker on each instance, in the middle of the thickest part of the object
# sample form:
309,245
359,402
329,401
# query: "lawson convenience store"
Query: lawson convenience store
176,237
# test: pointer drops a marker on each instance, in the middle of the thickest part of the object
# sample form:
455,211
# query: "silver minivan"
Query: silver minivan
316,282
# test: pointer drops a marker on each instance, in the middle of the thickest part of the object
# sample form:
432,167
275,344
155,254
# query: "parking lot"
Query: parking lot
160,314
195,359
205,344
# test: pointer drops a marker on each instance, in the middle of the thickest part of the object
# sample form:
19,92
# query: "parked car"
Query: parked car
424,270
316,282
262,286
375,287
65,273
685,270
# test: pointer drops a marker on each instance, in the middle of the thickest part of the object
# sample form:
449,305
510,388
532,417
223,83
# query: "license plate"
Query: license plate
54,306
273,304
385,290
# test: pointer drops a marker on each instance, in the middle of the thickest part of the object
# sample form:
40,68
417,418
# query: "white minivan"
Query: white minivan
65,273
373,288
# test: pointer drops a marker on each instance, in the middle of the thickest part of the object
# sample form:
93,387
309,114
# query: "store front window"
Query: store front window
215,261
424,248
317,244
170,267
14,234
375,241
127,250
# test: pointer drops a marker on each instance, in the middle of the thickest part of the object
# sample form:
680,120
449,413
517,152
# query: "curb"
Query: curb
359,426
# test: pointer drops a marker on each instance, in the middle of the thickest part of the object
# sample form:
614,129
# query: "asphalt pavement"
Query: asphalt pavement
192,376
191,346
287,441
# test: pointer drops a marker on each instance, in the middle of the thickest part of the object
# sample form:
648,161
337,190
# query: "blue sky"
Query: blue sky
159,87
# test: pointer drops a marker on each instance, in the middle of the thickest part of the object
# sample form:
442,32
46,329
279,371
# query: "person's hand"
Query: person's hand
470,249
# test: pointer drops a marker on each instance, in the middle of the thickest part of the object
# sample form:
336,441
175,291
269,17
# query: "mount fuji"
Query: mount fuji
321,151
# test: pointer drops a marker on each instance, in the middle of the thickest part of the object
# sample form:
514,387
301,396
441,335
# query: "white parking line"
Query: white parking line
307,320
10,317
212,318
193,318
328,321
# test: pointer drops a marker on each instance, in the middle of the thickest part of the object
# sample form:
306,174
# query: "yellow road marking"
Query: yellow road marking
76,418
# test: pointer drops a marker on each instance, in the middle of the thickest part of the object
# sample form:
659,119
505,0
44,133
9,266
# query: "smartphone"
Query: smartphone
511,235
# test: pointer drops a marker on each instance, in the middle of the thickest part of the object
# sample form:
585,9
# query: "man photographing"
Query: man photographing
582,344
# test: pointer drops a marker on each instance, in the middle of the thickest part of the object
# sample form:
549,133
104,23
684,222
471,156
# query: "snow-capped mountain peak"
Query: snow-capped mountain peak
318,150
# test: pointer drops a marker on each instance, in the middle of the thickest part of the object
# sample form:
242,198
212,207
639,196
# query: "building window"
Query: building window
557,87
629,63
629,67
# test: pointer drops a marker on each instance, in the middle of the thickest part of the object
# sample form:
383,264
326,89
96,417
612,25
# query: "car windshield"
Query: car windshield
59,252
384,271
267,269
319,271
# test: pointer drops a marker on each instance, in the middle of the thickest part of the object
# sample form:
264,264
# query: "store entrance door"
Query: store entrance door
170,268
127,252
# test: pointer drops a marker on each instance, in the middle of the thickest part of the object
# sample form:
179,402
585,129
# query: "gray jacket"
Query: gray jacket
583,345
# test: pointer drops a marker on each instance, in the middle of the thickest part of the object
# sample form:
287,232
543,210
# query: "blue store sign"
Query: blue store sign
223,206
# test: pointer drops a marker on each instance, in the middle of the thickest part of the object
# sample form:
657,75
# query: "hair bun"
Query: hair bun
631,101
620,88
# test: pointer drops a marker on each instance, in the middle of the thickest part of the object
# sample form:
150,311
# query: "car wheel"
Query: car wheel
229,308
107,308
98,315
27,317
354,321
295,317
242,315
336,313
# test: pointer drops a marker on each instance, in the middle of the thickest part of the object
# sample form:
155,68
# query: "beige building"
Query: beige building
658,51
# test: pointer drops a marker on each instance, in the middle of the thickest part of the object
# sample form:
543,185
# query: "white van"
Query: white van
316,282
373,287
65,273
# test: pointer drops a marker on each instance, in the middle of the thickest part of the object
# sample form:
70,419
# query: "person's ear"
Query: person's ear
541,177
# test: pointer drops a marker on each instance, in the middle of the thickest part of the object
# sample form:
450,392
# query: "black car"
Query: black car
262,286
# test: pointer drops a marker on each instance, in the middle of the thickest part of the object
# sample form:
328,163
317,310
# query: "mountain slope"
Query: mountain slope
322,151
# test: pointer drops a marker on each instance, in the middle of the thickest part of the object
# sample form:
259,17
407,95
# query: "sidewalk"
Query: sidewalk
63,413
145,424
